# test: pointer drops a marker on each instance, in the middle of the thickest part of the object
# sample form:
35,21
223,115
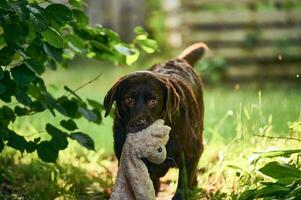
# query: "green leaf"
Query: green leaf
38,20
31,146
1,73
47,152
61,12
296,191
124,50
21,11
102,47
277,170
54,53
77,3
75,42
95,104
53,131
60,142
16,141
35,66
286,181
2,88
3,4
10,87
13,33
69,90
69,106
59,138
140,31
21,111
37,106
69,124
81,18
148,45
22,75
272,190
52,103
1,145
97,108
247,195
84,140
53,37
51,64
88,114
22,97
6,56
132,58
7,115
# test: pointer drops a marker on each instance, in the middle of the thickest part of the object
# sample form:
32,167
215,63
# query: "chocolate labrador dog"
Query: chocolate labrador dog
171,91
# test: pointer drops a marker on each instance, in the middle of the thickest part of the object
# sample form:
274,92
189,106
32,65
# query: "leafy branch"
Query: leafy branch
34,38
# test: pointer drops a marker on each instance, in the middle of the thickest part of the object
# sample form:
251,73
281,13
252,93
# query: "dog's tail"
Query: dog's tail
193,53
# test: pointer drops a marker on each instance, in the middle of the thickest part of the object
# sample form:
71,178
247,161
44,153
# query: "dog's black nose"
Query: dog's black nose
137,125
141,123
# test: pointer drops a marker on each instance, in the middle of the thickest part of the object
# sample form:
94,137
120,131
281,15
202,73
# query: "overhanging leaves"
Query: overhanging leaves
16,141
59,138
35,66
61,12
7,115
68,124
53,37
22,75
54,53
37,19
69,106
84,140
80,17
33,36
88,114
47,152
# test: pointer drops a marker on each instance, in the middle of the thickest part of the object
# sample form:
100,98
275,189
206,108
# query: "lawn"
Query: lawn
234,117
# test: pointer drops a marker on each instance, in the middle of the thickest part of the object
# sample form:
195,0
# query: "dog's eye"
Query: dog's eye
159,149
129,101
152,102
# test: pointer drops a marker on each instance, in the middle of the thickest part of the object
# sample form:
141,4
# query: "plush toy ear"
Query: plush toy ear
111,96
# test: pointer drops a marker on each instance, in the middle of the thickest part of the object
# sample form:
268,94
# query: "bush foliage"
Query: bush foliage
35,35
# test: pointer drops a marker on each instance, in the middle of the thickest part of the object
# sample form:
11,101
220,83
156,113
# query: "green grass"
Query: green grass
232,119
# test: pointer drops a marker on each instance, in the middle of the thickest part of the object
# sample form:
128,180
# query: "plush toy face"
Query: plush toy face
150,143
157,155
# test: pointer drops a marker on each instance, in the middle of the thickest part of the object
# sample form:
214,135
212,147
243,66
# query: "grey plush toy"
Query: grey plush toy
133,181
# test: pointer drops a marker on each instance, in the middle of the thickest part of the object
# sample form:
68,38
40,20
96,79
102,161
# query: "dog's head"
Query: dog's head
142,98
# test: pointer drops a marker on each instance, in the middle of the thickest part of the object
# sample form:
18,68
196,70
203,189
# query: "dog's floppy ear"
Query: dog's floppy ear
193,53
111,96
172,100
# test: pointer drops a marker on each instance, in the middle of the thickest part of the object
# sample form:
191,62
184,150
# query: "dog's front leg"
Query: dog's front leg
187,179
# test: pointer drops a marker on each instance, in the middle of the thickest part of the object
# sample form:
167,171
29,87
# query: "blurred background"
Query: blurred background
248,40
254,57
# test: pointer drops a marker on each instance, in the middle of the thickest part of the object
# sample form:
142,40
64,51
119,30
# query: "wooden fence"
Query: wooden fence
258,39
120,15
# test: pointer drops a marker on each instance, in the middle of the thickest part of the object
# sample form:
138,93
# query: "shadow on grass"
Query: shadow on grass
38,180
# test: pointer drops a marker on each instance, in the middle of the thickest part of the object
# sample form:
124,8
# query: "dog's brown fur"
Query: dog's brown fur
180,94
